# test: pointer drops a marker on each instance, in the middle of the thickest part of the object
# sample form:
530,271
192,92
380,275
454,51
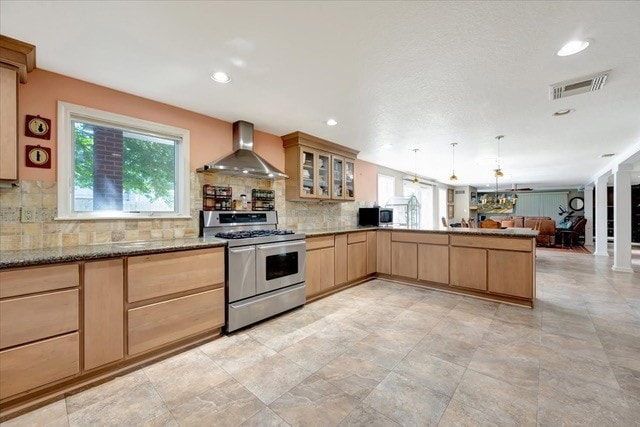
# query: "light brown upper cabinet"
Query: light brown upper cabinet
8,124
318,169
314,172
343,178
16,60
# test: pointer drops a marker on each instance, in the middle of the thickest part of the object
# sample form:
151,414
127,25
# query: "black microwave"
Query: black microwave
375,216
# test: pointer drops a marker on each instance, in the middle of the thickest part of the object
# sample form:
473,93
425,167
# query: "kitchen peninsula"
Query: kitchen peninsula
492,264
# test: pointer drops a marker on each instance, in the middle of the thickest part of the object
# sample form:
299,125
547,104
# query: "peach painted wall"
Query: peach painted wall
366,181
210,137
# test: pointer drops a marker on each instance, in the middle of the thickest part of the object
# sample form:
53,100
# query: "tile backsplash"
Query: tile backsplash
40,198
313,215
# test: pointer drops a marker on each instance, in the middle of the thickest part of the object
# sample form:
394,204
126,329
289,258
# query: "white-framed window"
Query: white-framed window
112,166
386,188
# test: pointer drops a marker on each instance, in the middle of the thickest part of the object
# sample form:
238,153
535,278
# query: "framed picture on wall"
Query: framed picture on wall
450,195
450,211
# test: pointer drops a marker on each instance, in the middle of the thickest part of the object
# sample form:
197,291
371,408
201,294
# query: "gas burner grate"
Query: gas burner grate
252,233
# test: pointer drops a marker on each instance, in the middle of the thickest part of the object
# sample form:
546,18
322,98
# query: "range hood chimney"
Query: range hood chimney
243,161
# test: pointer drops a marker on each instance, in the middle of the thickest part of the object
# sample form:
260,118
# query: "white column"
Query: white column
588,214
601,216
622,218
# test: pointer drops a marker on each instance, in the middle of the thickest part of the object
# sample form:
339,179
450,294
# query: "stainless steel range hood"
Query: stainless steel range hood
243,161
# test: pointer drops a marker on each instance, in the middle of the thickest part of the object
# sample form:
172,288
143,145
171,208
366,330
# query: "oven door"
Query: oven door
280,264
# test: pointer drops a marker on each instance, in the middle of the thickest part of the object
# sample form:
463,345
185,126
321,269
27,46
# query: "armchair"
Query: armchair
546,229
574,232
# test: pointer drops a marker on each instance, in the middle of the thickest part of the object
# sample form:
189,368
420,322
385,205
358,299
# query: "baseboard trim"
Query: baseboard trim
622,269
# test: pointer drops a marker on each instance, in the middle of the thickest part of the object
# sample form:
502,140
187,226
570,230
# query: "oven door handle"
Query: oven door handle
288,244
242,249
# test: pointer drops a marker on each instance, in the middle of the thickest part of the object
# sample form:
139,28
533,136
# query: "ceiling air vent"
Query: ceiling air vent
581,85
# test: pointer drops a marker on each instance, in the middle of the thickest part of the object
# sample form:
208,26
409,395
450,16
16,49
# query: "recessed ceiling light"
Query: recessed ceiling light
331,122
220,77
564,112
573,47
608,155
245,171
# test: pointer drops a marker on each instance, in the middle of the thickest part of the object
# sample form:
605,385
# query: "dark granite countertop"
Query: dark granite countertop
29,257
317,232
509,232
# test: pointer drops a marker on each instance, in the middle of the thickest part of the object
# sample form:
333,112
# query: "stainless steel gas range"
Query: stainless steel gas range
265,266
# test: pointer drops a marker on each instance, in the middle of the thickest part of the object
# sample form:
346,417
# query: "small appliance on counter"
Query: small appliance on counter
375,216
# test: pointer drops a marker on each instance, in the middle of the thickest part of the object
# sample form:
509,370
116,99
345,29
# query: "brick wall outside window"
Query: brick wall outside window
107,169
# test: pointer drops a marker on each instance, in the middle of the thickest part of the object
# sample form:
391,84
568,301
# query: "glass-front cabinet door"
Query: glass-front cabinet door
349,179
324,178
319,169
307,173
337,176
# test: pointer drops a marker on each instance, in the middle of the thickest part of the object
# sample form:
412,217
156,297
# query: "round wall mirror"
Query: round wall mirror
576,204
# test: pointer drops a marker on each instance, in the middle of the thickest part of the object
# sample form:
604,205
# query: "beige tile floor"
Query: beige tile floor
388,354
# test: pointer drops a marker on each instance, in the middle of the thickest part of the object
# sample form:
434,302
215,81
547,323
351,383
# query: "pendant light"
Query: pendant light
498,172
415,160
453,176
496,200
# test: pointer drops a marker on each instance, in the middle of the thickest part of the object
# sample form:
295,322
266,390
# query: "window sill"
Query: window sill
132,216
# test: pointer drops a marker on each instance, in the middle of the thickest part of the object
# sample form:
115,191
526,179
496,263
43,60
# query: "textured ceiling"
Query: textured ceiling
411,74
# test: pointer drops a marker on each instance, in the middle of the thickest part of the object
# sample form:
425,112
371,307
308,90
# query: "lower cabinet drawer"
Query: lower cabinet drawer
37,364
356,238
48,315
162,323
319,242
426,238
158,275
488,242
23,281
